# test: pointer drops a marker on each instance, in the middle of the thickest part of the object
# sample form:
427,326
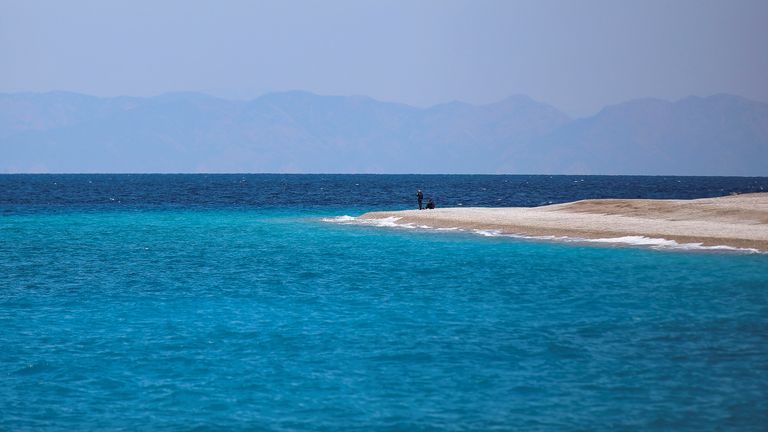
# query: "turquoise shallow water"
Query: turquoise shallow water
259,319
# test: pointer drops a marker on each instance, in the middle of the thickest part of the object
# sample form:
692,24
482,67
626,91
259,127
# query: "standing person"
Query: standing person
419,196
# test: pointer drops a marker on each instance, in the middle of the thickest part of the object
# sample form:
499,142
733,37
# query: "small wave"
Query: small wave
382,222
488,233
661,243
340,219
640,241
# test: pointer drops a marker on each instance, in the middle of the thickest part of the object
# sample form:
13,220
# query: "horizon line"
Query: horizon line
373,174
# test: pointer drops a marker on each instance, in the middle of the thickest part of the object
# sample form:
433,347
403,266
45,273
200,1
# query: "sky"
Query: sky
576,55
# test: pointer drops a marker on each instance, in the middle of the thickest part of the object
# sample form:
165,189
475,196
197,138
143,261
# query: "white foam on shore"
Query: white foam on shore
488,233
640,241
340,219
389,222
660,243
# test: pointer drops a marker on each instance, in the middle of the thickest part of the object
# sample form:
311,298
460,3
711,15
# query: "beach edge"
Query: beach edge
734,221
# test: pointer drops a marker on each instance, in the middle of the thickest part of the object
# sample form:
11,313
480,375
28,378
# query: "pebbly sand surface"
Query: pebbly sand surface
739,221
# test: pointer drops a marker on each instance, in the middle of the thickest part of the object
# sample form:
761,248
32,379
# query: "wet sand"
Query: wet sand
739,221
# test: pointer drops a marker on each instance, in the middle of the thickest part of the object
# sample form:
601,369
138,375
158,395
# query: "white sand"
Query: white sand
737,220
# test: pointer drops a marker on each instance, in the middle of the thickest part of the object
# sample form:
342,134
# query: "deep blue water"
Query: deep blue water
97,192
224,302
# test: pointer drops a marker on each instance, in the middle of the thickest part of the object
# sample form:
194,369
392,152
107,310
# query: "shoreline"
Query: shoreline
736,221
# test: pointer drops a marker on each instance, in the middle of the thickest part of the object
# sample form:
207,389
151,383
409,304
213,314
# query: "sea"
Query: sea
254,302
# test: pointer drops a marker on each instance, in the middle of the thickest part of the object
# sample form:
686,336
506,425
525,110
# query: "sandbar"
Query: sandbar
739,221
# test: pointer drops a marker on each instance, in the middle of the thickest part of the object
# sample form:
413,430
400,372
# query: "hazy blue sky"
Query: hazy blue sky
576,55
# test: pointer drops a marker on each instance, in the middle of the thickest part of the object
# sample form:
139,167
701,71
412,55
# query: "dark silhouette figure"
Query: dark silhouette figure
419,196
430,203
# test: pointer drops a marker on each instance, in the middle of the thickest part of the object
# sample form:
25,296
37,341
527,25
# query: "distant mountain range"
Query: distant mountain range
303,132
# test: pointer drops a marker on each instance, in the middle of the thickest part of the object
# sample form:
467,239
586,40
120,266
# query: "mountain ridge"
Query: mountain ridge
300,131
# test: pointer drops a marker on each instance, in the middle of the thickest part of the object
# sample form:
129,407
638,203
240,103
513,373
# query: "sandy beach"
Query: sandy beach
739,221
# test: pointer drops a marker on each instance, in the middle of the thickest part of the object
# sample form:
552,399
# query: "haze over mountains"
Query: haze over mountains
302,132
